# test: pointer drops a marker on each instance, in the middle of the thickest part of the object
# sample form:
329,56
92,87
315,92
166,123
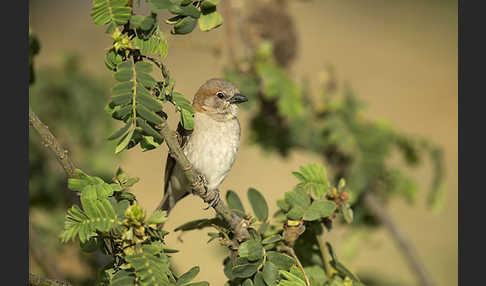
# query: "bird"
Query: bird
211,146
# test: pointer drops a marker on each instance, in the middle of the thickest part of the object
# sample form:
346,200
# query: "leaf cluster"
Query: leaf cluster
111,220
264,259
138,99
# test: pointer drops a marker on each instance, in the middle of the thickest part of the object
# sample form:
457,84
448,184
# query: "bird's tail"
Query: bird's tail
169,200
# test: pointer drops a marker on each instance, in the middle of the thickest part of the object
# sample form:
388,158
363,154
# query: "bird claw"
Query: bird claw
202,179
213,202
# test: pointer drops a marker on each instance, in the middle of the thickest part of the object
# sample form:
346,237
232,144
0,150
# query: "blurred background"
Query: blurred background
400,58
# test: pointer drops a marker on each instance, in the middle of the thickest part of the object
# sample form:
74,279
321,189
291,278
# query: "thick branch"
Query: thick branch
411,256
238,225
35,280
49,141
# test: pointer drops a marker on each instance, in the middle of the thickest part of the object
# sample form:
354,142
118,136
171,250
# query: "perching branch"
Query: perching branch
411,256
49,141
35,280
237,224
325,259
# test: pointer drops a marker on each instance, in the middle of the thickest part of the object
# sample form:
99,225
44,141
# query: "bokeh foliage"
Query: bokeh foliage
329,121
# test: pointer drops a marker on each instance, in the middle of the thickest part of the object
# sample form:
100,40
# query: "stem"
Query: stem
291,251
416,265
325,258
237,224
35,280
51,142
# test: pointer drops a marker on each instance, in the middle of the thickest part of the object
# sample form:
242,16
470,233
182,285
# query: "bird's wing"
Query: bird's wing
182,136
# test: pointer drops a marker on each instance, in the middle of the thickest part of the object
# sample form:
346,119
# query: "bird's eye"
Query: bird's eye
220,95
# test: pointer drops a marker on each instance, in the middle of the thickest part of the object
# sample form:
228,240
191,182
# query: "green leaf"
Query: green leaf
188,276
123,88
228,268
149,101
157,217
281,261
242,268
121,131
347,212
148,115
272,239
313,178
292,278
247,282
296,212
258,204
121,99
123,74
156,44
143,67
187,119
146,80
123,143
150,269
203,283
161,4
298,197
91,245
210,21
297,272
251,249
98,215
316,274
208,6
107,11
121,112
112,60
319,209
282,204
77,184
189,10
234,202
184,26
122,278
270,273
149,130
258,279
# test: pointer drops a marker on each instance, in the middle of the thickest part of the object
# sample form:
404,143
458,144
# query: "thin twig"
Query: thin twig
237,224
325,258
49,141
291,251
35,280
411,256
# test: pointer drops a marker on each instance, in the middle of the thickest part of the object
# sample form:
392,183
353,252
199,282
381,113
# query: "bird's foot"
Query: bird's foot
213,199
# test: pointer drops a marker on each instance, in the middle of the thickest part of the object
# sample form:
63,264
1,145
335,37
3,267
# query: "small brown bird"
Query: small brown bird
211,146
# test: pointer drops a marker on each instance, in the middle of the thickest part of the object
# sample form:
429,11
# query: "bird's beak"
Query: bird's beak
237,98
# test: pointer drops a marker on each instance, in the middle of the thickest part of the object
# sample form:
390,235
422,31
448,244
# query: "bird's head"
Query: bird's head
219,99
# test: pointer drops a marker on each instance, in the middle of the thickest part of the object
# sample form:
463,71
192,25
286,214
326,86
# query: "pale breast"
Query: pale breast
212,147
